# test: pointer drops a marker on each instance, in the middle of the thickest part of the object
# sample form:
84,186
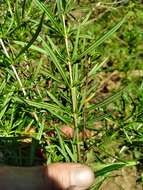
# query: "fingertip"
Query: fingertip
82,177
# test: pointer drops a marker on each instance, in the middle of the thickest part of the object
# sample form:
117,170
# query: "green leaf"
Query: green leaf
48,13
55,48
107,101
62,145
23,8
41,50
94,70
2,86
25,48
40,130
101,40
113,167
33,47
75,50
54,99
71,155
55,60
48,74
5,103
53,109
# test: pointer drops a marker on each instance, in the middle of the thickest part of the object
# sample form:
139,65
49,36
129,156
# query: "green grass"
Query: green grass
70,63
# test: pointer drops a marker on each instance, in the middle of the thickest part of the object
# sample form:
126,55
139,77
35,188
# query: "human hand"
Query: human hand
58,176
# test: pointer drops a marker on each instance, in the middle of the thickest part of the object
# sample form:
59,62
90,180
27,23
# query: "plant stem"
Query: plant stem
68,54
73,89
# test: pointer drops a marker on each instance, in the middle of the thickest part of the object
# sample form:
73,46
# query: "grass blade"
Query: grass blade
62,145
71,155
113,167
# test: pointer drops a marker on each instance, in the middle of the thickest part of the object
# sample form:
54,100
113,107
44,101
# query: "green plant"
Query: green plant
50,60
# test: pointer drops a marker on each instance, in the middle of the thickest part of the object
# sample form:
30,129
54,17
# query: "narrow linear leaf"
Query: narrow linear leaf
55,61
98,118
54,47
40,130
110,168
62,145
48,13
60,7
71,155
25,48
101,40
12,18
107,101
113,167
75,73
17,13
2,85
23,8
53,109
2,112
94,70
33,47
75,50
63,153
48,74
54,99
5,104
41,50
